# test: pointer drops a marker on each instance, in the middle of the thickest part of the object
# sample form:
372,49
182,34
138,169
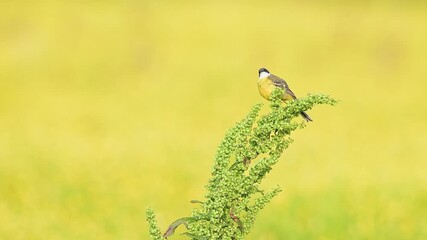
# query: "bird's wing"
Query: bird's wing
278,82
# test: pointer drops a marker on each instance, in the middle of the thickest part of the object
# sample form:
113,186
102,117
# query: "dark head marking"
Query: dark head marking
263,70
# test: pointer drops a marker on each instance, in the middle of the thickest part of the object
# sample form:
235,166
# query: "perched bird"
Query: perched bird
267,82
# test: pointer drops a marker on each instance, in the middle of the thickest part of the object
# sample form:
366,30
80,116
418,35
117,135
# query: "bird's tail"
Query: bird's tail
306,117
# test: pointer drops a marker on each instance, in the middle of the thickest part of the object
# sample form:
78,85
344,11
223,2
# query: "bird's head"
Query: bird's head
263,72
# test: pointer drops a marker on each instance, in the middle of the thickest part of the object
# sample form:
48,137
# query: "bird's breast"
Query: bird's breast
265,87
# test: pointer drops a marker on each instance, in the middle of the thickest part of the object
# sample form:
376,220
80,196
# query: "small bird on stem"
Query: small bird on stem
267,82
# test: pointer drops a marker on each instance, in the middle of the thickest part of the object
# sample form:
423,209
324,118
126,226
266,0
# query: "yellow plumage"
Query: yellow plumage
266,87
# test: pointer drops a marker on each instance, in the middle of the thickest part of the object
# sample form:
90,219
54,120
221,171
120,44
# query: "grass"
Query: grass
106,108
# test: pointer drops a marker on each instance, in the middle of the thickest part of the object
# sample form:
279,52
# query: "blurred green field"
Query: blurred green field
107,108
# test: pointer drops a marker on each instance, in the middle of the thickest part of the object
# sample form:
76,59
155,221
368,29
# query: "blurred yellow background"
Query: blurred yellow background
107,108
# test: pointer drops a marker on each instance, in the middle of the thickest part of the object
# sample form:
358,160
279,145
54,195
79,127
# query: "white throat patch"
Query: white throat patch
264,74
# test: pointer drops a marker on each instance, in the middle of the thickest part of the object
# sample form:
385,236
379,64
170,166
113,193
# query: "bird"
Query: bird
267,82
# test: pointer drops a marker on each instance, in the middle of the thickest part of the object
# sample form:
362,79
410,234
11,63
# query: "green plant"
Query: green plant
244,157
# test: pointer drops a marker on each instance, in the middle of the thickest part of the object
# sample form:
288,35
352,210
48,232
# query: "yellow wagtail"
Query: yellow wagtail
267,82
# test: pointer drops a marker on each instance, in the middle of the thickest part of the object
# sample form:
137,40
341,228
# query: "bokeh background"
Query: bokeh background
108,107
